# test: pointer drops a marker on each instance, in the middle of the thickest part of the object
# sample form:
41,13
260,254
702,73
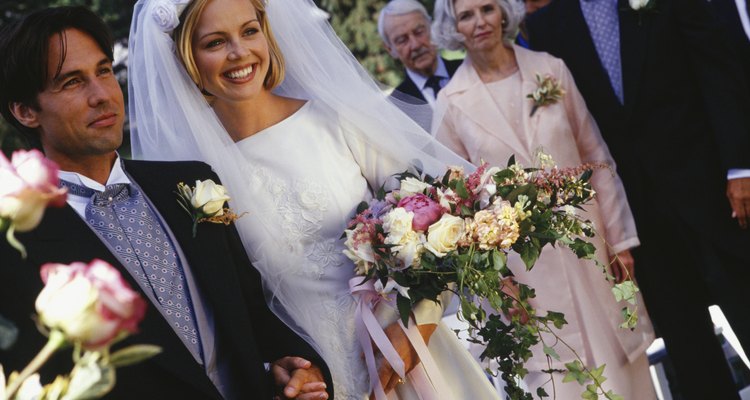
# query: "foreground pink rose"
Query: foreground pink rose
426,211
89,303
28,184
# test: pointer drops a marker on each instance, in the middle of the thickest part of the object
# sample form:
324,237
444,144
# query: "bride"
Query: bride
300,135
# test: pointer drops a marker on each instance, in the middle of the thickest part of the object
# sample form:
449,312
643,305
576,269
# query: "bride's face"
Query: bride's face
230,50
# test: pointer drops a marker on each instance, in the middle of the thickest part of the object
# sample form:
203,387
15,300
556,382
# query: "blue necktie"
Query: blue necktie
604,26
122,218
433,83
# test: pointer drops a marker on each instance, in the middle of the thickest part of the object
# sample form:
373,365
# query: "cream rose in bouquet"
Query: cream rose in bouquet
455,233
28,184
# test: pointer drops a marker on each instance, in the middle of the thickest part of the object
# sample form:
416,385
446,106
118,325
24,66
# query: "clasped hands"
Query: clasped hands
297,378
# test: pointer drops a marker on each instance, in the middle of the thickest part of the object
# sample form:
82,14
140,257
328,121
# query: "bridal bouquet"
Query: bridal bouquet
456,232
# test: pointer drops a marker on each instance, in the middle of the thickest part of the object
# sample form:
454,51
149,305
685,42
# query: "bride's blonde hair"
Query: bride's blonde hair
183,38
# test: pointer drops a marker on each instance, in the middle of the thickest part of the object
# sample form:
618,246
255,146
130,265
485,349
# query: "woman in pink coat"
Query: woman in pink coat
484,114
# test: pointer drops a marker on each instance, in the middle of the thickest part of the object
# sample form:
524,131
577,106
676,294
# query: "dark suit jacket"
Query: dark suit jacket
682,125
726,11
408,92
247,333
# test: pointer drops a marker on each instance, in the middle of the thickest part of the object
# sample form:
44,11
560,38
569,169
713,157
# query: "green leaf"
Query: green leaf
499,261
550,351
541,392
625,291
404,308
90,378
461,190
557,318
133,355
575,373
529,254
512,160
612,396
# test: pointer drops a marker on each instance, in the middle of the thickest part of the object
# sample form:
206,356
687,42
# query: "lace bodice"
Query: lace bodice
311,176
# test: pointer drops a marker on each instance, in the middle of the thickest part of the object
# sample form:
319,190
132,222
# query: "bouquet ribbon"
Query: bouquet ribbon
369,331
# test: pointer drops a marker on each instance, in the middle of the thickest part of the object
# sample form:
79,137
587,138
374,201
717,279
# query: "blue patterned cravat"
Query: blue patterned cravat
122,218
604,26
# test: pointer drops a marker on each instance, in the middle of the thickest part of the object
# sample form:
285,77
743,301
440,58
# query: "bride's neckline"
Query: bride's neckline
280,124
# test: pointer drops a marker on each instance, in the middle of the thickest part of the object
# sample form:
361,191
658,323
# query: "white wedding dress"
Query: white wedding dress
313,175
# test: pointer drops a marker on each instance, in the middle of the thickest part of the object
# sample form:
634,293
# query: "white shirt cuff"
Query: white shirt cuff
738,173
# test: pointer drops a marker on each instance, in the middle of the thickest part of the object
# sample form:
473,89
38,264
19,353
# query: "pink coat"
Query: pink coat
468,121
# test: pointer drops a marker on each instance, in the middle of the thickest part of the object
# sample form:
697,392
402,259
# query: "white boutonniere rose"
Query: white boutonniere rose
640,4
205,202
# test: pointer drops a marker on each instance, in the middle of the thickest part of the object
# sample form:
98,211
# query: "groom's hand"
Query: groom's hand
299,379
388,377
738,192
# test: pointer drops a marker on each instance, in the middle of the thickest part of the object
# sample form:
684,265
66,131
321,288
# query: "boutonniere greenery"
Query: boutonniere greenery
548,91
205,203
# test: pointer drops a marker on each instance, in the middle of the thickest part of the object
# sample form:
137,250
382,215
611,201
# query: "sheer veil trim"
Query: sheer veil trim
170,120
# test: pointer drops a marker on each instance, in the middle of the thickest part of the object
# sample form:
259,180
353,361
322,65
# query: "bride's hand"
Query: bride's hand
389,378
622,266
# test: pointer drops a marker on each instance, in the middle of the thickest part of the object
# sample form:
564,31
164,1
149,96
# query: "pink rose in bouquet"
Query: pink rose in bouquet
426,211
88,303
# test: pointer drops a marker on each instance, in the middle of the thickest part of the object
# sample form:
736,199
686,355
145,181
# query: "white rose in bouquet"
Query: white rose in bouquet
410,186
443,235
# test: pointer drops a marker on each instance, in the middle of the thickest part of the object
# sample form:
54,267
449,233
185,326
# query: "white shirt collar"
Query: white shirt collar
117,175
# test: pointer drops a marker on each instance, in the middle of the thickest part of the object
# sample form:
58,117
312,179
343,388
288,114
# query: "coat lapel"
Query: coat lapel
470,95
529,68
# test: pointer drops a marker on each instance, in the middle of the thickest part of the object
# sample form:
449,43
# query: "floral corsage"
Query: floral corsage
548,91
205,203
642,5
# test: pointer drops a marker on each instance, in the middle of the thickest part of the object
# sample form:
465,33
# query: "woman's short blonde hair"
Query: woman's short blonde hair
183,38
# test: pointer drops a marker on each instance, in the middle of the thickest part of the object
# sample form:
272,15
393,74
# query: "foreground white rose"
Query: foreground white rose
410,186
90,304
443,235
209,198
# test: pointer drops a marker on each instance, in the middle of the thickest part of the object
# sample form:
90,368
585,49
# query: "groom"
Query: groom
57,86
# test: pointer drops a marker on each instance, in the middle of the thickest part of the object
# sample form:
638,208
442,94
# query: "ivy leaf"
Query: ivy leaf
625,291
550,351
575,373
529,254
582,248
612,396
541,392
557,318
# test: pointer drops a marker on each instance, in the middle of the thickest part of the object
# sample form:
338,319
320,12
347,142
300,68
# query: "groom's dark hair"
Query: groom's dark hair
24,55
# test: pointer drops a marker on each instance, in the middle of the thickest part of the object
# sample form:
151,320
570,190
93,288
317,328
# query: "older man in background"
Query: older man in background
404,26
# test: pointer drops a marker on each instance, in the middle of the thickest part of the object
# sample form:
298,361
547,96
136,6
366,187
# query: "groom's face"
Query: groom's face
81,110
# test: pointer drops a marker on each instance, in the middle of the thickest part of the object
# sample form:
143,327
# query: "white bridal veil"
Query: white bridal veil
171,120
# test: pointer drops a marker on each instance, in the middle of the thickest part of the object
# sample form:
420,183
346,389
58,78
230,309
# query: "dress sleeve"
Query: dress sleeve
619,225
